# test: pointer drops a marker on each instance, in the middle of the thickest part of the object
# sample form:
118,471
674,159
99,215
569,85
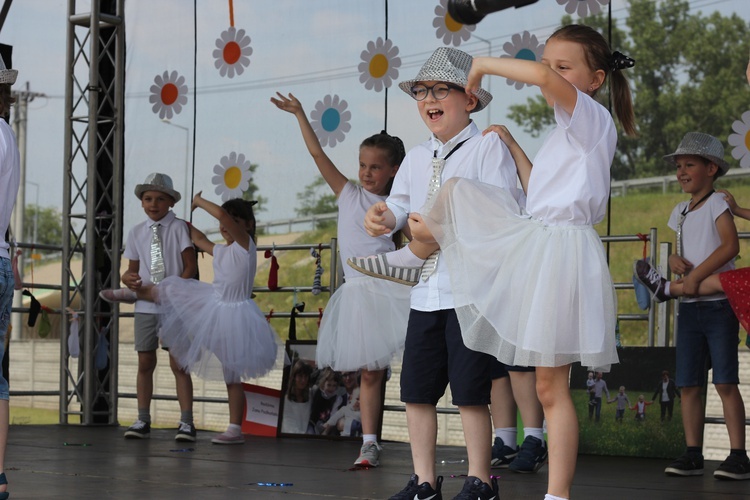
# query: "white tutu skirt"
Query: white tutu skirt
527,293
363,325
213,339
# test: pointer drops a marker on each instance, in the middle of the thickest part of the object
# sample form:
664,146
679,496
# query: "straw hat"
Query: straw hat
7,76
703,145
449,65
157,182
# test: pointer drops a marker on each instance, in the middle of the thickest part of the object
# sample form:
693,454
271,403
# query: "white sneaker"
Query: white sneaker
226,438
369,455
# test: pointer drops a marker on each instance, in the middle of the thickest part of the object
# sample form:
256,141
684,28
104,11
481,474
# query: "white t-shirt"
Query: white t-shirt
482,158
569,184
175,238
700,237
10,178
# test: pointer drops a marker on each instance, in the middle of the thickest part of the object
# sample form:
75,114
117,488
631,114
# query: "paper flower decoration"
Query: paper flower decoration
523,46
379,66
741,140
168,94
330,120
232,176
583,7
232,52
451,31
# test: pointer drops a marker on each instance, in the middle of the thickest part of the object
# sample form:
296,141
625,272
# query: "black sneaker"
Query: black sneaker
689,464
531,457
502,454
475,489
416,491
139,430
185,432
651,279
734,467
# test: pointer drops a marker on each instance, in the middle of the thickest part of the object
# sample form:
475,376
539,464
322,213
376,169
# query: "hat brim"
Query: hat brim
723,165
142,188
8,76
483,97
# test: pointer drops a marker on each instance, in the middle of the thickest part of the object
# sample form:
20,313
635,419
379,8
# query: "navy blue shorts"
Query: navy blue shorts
435,355
500,370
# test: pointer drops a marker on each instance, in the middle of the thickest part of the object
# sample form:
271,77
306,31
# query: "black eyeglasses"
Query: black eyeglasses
439,91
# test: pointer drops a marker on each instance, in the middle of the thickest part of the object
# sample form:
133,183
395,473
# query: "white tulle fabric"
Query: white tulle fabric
216,331
364,325
527,293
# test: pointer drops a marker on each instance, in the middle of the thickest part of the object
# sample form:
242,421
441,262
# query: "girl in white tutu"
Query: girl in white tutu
216,330
532,287
364,323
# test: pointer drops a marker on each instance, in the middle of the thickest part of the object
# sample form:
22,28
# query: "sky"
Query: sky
312,49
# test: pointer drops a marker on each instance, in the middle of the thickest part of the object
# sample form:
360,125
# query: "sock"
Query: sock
553,497
537,432
144,415
695,450
369,438
186,416
509,435
404,257
738,452
667,286
233,430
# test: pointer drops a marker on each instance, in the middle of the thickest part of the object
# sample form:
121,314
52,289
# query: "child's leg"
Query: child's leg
370,390
236,396
144,381
183,385
524,392
477,426
562,427
503,410
708,286
421,420
692,415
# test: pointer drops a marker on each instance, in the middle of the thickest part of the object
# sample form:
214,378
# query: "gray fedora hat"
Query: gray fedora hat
7,76
703,145
449,65
157,182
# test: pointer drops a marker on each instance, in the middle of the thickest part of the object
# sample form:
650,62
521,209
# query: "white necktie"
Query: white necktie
157,268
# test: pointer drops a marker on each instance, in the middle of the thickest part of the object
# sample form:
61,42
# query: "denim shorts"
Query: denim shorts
6,303
435,355
707,337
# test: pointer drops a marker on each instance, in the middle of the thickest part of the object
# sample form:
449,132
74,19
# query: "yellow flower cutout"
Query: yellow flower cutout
379,66
741,140
523,46
232,176
451,31
168,94
330,120
232,52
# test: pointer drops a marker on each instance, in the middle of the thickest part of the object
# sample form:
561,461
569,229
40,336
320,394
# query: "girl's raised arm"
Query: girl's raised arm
335,179
235,229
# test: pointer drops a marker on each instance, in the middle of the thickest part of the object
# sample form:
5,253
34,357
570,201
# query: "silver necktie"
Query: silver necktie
157,268
429,266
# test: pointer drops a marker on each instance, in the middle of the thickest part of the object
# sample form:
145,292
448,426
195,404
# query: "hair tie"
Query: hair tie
620,61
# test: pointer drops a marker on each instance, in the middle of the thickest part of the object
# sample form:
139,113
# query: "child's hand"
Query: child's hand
132,280
17,281
196,200
690,286
503,132
679,265
419,230
729,199
289,104
474,78
374,220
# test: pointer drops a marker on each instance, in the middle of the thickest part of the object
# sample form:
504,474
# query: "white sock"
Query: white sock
369,438
667,286
234,430
509,435
553,497
537,432
404,257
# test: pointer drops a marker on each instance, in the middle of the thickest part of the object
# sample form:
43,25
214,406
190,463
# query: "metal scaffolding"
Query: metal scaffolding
92,206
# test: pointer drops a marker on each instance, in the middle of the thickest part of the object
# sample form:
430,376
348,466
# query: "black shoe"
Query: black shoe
139,430
416,491
734,467
502,454
651,279
475,489
531,457
689,464
185,432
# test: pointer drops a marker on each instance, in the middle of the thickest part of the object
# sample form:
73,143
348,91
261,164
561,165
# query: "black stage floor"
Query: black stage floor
98,463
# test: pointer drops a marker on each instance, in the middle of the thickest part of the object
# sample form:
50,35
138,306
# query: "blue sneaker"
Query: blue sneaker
531,457
502,455
475,489
416,491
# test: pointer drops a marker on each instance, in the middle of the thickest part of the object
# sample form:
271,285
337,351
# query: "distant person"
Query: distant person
157,248
623,403
10,179
666,390
355,334
599,388
216,330
640,408
298,399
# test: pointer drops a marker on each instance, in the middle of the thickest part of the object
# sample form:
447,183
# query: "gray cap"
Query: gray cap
157,182
703,145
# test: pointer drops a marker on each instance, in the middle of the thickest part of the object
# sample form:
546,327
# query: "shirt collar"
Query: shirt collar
164,221
443,149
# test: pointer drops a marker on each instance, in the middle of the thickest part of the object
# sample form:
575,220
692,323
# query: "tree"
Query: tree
315,201
689,76
42,225
250,193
